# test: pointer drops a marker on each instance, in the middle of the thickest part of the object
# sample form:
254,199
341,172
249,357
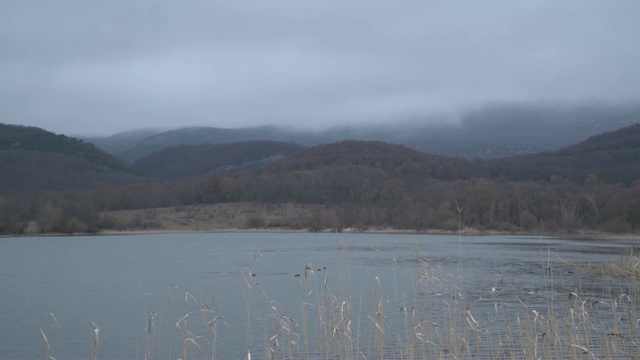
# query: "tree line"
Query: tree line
358,196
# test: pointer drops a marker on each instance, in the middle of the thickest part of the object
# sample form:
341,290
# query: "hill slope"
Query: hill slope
16,137
494,131
345,172
614,157
194,160
390,158
32,159
122,141
209,135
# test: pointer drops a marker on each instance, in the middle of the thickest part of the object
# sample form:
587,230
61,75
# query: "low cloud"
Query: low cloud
100,67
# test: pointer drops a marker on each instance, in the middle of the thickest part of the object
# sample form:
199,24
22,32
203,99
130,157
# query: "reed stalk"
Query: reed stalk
435,319
96,341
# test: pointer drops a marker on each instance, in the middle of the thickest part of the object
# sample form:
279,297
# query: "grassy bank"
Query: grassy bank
286,217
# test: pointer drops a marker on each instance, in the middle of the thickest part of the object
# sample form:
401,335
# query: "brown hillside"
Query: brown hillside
389,158
614,157
195,160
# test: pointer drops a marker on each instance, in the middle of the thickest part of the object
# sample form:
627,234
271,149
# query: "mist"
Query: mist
97,68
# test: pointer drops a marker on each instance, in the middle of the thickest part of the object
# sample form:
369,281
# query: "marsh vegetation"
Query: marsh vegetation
318,296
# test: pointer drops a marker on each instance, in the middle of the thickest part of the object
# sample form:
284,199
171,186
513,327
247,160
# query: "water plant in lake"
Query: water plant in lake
437,318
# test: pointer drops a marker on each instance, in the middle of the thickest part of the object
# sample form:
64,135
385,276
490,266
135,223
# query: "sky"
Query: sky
100,67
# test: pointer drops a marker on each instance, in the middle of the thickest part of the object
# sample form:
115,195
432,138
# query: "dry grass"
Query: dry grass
217,217
436,321
625,267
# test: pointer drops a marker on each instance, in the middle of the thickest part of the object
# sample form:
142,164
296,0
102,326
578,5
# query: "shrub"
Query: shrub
255,222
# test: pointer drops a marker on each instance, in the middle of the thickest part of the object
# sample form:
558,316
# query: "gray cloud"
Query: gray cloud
82,67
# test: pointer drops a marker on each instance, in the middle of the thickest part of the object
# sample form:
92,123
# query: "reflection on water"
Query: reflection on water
301,295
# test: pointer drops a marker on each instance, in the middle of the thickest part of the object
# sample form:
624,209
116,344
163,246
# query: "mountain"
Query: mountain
122,141
392,159
356,184
345,172
209,135
624,138
185,161
614,157
33,159
611,156
504,130
493,131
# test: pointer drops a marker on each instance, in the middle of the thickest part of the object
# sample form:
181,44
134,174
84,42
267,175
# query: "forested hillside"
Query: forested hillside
390,158
612,157
122,141
33,160
16,137
591,186
187,161
493,131
209,135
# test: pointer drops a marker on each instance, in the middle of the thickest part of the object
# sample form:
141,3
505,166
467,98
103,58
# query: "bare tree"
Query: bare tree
592,203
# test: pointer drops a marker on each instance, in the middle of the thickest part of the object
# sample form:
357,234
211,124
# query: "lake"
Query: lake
298,295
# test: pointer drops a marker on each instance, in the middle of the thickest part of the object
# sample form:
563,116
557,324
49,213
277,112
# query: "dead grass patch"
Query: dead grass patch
217,217
625,267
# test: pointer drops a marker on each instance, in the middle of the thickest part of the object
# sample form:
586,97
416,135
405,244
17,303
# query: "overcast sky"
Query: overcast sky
99,67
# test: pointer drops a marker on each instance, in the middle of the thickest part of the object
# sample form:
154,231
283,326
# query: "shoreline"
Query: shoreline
580,236
250,217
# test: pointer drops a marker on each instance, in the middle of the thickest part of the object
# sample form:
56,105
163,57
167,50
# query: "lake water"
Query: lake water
138,289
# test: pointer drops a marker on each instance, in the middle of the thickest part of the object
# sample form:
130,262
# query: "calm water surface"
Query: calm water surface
119,282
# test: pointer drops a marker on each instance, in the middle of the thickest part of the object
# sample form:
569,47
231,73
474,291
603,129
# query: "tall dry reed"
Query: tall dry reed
336,318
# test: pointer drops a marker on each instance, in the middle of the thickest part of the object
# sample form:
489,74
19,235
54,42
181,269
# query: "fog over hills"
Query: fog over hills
106,66
207,135
493,131
510,132
123,141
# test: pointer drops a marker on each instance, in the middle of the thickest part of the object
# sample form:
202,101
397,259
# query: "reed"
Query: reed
96,341
435,319
625,267
51,323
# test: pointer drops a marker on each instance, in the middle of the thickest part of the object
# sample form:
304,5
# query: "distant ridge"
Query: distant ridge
211,135
624,138
614,157
589,185
122,141
490,132
186,161
33,159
